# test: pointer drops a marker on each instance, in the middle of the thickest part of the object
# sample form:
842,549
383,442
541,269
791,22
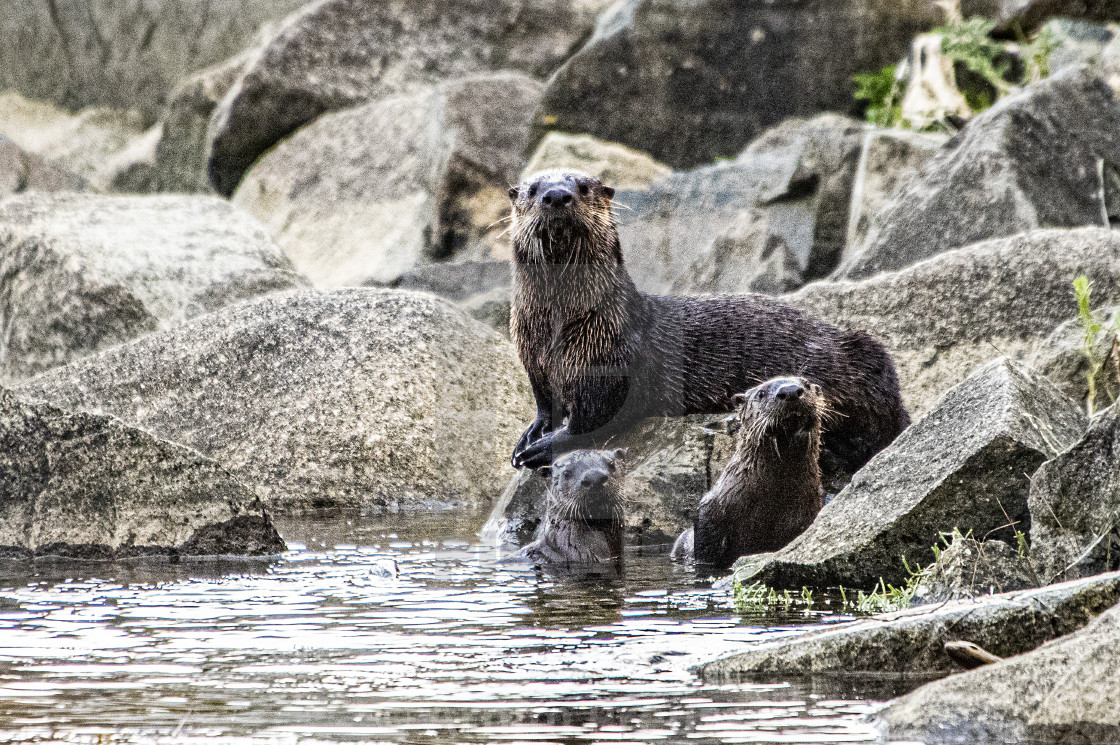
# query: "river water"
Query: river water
328,644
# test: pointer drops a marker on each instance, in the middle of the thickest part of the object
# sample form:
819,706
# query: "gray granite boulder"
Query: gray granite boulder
942,318
365,194
1025,16
1075,505
690,82
121,54
712,229
335,54
1031,161
1066,691
620,166
966,465
87,486
81,272
23,171
372,399
912,641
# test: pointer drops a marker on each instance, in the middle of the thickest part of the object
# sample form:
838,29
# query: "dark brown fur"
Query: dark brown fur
584,522
770,490
601,355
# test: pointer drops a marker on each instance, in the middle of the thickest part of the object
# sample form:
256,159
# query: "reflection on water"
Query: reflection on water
327,645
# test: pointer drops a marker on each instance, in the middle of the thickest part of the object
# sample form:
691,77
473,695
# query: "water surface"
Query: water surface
326,645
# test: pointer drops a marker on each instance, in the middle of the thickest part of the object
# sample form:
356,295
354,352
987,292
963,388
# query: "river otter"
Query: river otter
601,355
584,521
770,490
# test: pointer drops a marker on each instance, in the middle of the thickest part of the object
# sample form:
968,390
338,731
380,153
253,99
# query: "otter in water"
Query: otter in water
584,522
770,490
601,355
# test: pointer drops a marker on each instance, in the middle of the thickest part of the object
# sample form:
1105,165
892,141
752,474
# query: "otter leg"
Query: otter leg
598,415
541,426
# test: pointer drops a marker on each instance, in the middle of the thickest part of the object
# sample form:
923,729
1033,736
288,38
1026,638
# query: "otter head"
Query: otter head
586,486
563,217
790,407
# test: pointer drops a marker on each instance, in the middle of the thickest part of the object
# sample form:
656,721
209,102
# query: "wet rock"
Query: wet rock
79,273
180,163
714,228
122,55
691,82
912,641
1061,357
334,54
23,171
1065,691
1025,16
669,464
1033,160
90,143
350,208
966,465
87,486
1075,505
614,164
969,568
362,398
942,318
888,160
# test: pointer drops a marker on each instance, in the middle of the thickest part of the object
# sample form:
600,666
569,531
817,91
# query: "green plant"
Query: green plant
1036,54
1093,327
969,43
757,597
883,92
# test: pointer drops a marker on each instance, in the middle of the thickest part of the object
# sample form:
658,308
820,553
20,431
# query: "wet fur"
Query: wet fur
603,355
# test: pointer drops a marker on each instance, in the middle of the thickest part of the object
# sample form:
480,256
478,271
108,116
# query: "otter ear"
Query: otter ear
608,192
620,453
739,399
512,193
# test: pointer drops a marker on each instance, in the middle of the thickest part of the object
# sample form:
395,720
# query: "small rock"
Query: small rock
968,568
966,465
23,171
87,486
912,641
1033,160
80,272
361,398
1075,505
1065,691
351,209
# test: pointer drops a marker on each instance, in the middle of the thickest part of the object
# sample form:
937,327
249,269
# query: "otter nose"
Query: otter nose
598,477
556,197
789,390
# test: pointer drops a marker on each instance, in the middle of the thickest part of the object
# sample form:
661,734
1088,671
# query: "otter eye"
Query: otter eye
584,190
761,395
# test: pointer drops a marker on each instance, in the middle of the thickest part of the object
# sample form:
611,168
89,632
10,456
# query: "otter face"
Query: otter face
585,485
793,405
557,212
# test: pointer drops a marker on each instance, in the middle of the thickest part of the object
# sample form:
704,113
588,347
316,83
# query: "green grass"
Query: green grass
1093,327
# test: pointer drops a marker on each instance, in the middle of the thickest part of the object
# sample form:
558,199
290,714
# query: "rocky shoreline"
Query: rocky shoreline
265,271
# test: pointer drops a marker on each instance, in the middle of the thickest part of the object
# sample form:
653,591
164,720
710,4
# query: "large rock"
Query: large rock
966,465
669,464
87,486
363,195
712,229
690,82
1066,691
912,641
1075,505
943,317
1031,161
121,54
620,166
356,398
79,273
338,53
23,171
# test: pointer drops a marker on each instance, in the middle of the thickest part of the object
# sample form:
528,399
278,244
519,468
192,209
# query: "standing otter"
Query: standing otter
770,490
584,521
601,355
